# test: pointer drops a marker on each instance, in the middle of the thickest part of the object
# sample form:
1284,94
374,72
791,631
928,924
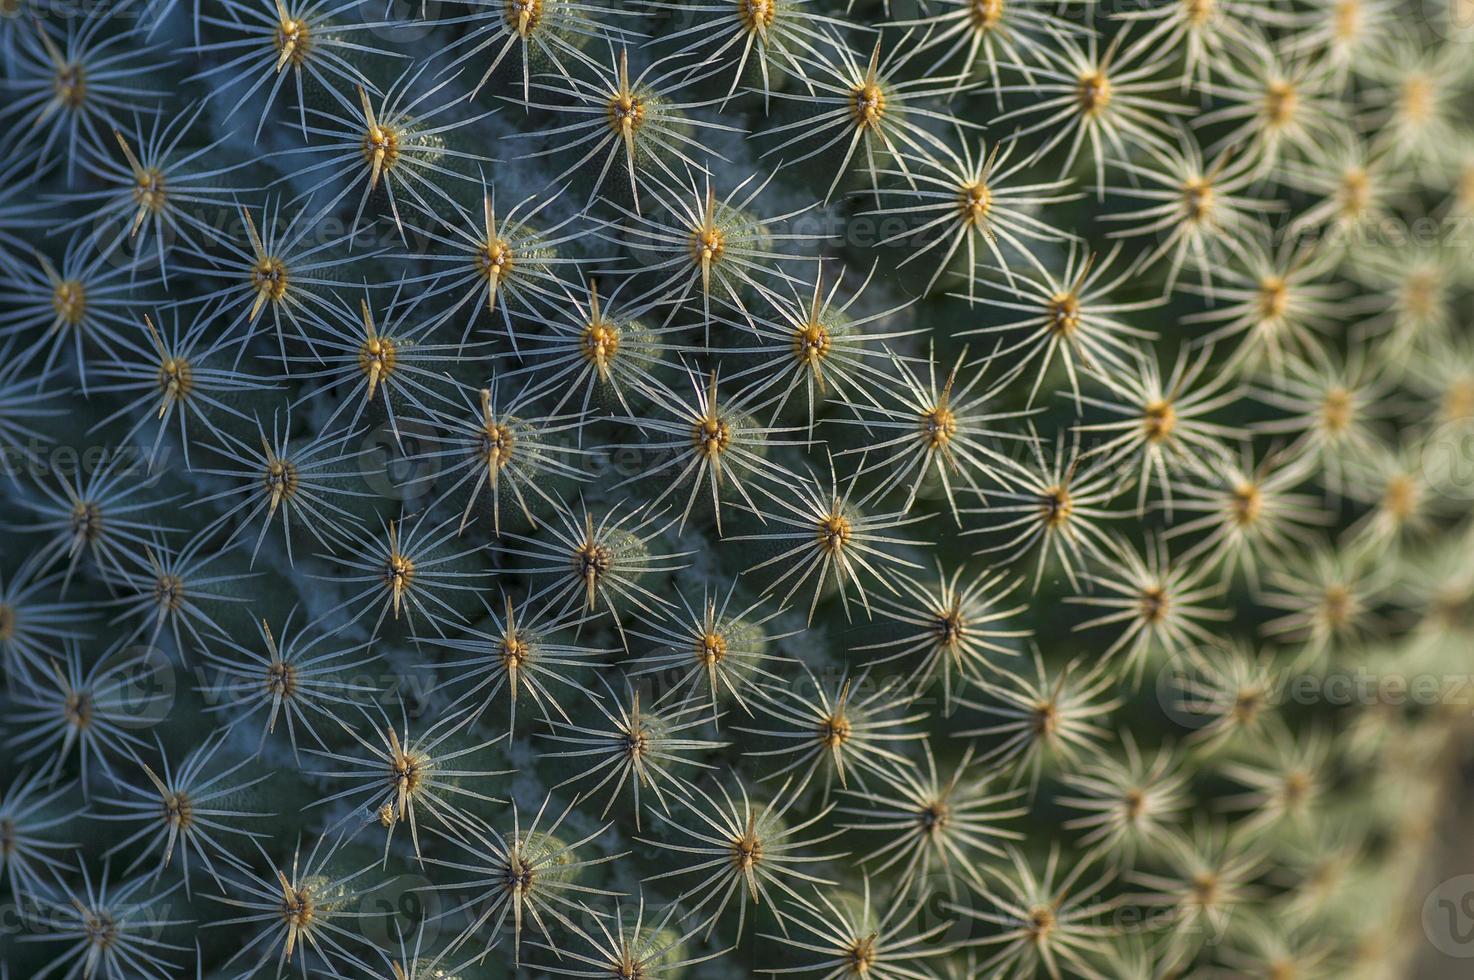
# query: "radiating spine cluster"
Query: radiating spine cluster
890,490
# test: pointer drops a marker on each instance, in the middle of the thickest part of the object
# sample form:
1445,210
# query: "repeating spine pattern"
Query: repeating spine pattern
905,490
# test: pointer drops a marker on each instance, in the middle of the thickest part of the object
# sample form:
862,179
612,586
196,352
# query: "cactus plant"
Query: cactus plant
906,489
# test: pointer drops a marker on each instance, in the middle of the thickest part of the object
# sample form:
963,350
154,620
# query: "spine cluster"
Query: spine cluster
914,490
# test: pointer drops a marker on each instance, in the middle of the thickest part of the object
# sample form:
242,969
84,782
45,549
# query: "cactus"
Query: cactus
906,489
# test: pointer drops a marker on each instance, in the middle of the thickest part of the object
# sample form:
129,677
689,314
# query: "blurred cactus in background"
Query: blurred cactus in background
899,490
